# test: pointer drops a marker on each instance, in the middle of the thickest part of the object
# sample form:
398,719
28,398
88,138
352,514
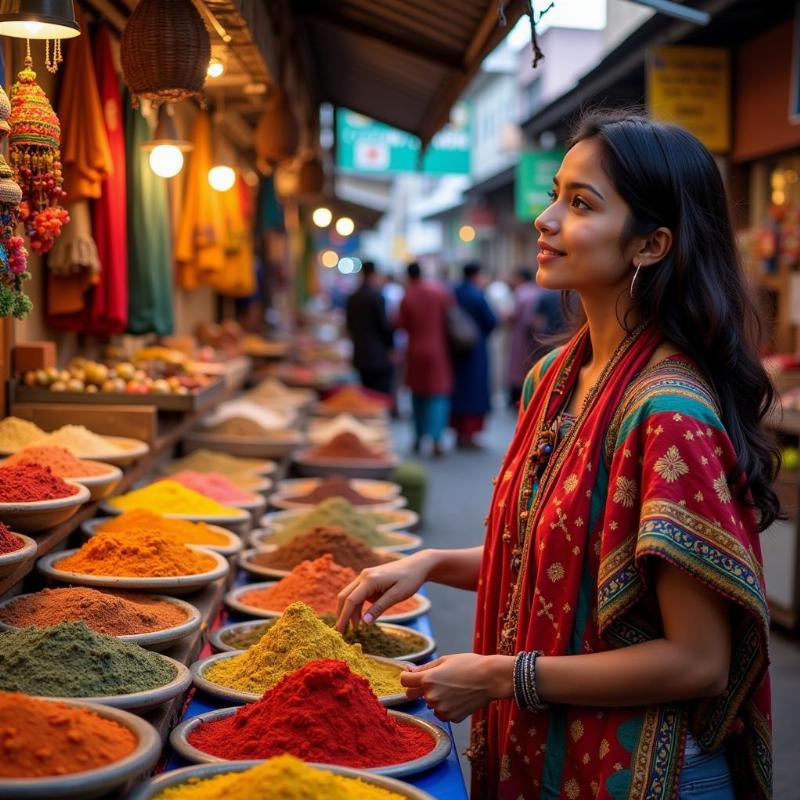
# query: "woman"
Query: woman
621,633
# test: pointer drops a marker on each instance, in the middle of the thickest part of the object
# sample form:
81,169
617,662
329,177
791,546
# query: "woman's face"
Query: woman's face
580,232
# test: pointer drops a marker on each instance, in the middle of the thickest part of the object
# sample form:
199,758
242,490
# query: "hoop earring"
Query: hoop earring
635,276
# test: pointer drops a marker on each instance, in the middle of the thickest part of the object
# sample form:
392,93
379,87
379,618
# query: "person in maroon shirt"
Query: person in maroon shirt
429,372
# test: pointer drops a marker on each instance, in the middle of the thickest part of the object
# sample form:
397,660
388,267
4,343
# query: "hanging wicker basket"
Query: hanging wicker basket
165,51
310,177
277,134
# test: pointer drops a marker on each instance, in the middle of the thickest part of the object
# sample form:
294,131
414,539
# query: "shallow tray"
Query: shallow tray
10,561
156,640
43,514
179,739
102,485
94,782
353,468
217,639
380,490
402,541
269,572
138,702
268,447
152,789
232,600
231,548
235,696
183,584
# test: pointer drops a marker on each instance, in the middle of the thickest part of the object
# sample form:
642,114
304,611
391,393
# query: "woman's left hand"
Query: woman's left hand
458,685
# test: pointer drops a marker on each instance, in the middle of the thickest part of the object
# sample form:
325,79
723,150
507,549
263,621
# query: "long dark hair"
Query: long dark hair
697,295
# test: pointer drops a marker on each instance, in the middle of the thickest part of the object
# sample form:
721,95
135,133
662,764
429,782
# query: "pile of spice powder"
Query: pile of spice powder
322,430
9,542
280,778
112,613
30,483
81,442
375,639
335,486
240,426
16,433
297,638
214,461
171,497
334,512
213,485
346,445
322,713
40,739
136,554
346,550
183,531
71,660
353,400
315,583
60,461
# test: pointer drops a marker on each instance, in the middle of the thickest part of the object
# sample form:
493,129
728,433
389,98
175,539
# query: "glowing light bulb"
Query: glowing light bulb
215,68
329,258
345,226
221,178
166,160
32,27
466,233
322,217
346,266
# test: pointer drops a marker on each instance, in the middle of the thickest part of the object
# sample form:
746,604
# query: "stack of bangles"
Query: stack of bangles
525,693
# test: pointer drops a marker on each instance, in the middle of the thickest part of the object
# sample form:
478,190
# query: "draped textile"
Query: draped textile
640,475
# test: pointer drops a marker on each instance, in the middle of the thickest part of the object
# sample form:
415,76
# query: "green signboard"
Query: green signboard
534,181
366,146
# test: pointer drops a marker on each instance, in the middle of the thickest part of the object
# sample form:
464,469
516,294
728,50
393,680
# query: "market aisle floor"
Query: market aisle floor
459,490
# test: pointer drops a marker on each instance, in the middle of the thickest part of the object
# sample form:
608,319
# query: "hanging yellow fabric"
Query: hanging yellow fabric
238,277
200,244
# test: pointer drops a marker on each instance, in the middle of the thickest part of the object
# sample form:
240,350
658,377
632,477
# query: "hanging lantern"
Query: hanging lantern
13,255
277,134
311,176
165,51
36,160
38,19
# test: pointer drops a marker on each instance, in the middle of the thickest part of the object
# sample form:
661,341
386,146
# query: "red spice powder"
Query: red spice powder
334,486
315,583
9,542
346,445
27,483
356,400
322,712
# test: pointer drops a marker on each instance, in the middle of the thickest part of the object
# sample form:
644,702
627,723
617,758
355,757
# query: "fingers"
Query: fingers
343,609
351,600
386,600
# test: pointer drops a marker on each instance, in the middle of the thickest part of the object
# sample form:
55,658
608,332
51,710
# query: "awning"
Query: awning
403,62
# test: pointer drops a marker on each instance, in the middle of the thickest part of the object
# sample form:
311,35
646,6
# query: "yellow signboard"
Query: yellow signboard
691,87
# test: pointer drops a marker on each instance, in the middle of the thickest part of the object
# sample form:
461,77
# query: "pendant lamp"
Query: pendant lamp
166,148
38,19
277,134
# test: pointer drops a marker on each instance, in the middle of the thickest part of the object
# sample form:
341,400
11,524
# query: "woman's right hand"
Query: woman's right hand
383,586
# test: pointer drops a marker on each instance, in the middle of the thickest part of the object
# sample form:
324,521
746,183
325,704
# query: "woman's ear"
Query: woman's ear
654,247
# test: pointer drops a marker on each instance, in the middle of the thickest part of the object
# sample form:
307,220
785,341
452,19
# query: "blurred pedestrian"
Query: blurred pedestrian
429,373
471,396
371,333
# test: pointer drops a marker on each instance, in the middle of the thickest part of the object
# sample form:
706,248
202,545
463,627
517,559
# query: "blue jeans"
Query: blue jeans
431,412
706,776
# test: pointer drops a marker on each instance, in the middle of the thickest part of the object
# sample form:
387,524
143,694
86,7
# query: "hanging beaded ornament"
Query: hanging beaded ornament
35,158
13,255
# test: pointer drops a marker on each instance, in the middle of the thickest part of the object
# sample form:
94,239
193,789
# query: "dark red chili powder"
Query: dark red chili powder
9,542
335,486
346,445
322,712
27,483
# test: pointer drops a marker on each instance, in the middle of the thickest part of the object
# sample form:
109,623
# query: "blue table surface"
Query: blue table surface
444,782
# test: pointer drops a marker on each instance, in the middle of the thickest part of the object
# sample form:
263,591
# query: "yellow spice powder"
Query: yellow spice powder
171,497
298,637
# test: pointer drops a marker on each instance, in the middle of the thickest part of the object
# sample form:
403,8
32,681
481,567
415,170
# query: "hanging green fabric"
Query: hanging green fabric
149,245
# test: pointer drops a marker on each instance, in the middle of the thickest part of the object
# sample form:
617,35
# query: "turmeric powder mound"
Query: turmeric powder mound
141,519
137,554
298,637
285,777
171,497
39,739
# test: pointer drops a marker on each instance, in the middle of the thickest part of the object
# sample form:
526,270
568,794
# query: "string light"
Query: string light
322,217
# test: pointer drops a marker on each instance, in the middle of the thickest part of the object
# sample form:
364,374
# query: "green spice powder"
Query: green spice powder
70,660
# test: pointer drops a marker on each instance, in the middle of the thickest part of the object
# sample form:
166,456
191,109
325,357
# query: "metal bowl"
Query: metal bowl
10,561
152,789
233,545
43,514
179,739
233,600
95,782
155,640
217,638
236,696
138,702
181,584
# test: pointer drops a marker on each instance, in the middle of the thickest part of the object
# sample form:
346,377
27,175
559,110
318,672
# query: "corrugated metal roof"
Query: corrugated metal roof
403,62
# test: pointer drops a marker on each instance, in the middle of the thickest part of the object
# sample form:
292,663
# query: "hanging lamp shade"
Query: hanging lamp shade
277,134
310,176
166,133
165,51
38,19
